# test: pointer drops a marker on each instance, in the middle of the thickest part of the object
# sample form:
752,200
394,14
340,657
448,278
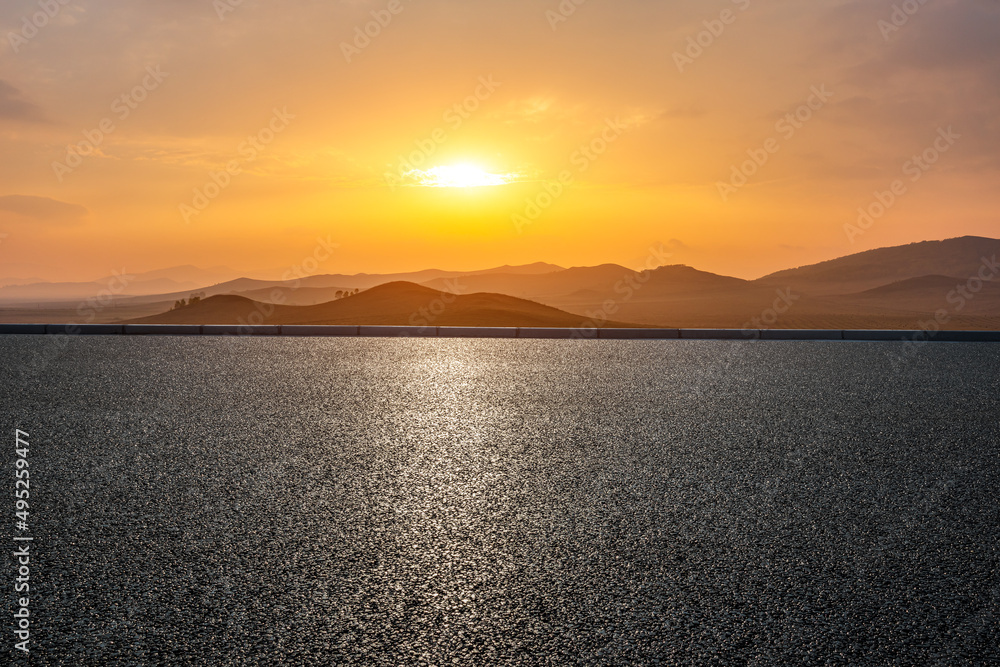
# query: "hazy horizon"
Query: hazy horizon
274,274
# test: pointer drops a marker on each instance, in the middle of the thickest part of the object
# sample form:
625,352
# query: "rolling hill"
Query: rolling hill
928,294
961,257
898,287
398,303
586,283
323,287
552,284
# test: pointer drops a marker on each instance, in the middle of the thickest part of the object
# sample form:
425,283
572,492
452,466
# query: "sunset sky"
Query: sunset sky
354,136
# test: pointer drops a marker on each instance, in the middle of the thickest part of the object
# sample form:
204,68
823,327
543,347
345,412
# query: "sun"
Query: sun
460,176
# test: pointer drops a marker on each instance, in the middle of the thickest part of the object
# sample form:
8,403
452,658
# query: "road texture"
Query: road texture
404,502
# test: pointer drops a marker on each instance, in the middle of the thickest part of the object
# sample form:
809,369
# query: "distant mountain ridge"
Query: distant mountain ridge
961,257
174,279
178,282
897,287
323,287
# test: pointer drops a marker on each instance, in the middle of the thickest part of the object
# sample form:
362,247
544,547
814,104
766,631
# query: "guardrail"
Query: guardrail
495,332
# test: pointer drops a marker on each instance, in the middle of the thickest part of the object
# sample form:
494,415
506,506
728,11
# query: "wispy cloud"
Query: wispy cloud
44,209
13,106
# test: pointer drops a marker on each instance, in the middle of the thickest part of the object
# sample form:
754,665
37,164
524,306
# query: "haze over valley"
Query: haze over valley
899,287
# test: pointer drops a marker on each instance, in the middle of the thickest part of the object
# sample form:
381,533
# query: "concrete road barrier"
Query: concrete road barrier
318,330
639,334
240,330
545,332
162,329
801,334
22,328
402,332
477,332
497,332
966,337
879,335
720,334
85,329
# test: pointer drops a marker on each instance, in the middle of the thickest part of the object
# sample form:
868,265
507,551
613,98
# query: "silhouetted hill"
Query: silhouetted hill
398,303
290,296
590,283
679,278
933,284
960,257
898,287
928,294
237,286
554,283
538,268
322,287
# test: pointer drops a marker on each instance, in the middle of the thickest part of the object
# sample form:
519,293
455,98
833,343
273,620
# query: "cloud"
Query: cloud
537,109
684,112
941,68
42,208
15,107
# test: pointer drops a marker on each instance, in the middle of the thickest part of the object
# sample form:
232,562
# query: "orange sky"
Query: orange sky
172,90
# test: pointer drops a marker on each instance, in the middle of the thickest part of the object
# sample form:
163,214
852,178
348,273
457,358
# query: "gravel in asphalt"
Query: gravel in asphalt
407,502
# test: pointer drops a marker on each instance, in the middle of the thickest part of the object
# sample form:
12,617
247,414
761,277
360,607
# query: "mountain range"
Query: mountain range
896,287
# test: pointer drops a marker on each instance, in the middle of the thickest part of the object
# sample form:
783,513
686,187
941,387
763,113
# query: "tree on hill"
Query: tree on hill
195,298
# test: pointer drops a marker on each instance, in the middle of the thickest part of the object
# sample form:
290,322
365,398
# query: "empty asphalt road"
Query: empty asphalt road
403,501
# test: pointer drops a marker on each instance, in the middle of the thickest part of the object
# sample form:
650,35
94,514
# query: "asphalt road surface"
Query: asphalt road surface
400,501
